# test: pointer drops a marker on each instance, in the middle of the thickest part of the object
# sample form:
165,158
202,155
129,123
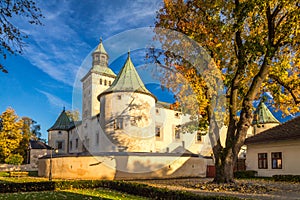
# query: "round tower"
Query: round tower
127,112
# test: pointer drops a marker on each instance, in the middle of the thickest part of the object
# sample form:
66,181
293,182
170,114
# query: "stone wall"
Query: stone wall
122,165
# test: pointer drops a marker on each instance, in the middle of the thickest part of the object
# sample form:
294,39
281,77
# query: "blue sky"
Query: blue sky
41,80
46,77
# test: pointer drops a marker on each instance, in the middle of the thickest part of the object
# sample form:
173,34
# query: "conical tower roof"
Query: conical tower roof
128,80
100,48
263,115
62,123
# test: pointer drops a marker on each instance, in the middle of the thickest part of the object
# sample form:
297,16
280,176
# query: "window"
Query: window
60,145
177,132
133,121
97,138
71,145
97,58
105,82
177,115
76,143
157,111
198,136
262,161
118,123
59,132
100,81
109,83
119,97
158,131
276,160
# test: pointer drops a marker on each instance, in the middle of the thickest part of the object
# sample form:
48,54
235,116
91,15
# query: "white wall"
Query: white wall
290,152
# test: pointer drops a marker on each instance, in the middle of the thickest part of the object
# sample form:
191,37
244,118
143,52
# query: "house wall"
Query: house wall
118,166
290,152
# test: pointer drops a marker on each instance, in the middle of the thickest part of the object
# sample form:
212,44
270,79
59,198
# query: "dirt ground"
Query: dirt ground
275,190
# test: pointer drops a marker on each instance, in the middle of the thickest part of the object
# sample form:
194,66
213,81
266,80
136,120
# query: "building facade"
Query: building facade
120,114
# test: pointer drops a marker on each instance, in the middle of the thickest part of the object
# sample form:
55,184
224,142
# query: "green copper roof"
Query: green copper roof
103,70
263,115
62,123
128,80
100,48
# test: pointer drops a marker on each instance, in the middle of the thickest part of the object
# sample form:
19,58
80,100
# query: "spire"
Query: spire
128,80
62,123
100,48
263,115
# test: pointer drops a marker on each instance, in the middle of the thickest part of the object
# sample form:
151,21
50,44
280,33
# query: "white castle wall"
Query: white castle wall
121,165
128,120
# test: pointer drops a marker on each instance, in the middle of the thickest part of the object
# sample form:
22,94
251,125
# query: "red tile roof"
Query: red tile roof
286,131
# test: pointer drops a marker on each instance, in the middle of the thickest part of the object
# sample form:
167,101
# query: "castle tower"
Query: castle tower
58,133
127,115
263,119
98,79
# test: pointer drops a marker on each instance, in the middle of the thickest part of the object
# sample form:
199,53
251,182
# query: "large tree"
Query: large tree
10,133
255,46
11,40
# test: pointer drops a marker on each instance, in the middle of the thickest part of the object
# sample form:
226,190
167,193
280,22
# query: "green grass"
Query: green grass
82,194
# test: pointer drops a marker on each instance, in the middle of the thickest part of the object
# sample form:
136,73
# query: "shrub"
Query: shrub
14,159
122,186
245,174
287,178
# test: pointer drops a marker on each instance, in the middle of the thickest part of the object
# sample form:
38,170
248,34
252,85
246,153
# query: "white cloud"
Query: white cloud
55,101
59,47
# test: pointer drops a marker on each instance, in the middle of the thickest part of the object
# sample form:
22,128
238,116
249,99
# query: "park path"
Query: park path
279,190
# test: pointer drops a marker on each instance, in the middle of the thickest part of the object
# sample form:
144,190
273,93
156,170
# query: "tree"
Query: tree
255,45
73,115
10,134
11,36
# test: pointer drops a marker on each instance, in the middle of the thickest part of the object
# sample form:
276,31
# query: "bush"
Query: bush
287,178
122,186
245,174
14,159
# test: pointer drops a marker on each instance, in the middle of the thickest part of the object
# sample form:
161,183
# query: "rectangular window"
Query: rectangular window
71,145
76,143
118,123
262,161
198,136
158,131
177,130
276,160
100,81
97,138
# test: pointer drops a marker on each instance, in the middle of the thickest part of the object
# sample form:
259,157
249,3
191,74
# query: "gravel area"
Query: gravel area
245,189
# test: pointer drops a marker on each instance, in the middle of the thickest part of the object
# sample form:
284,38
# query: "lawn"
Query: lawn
81,194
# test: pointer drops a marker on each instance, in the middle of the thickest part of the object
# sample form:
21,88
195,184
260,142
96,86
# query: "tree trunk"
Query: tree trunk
224,165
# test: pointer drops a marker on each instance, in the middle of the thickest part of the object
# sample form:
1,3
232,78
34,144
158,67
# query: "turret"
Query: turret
126,114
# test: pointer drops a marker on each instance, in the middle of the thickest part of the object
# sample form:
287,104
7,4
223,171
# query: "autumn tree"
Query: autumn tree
254,45
10,134
12,38
73,115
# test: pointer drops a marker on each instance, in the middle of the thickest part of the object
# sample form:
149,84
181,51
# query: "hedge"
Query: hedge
245,174
122,186
287,178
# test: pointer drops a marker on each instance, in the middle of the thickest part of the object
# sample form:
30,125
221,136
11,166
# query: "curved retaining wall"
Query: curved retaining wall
122,165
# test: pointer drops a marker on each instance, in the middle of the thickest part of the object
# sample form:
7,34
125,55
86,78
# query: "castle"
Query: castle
120,114
126,133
